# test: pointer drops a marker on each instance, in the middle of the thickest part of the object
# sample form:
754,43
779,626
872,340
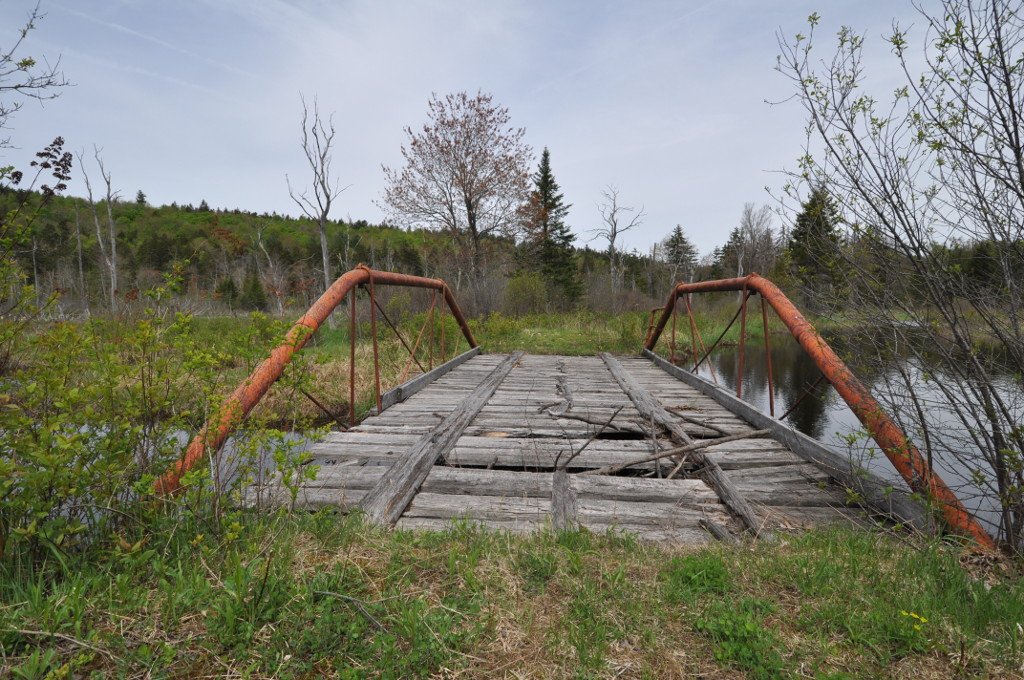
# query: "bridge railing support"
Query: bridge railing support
237,406
898,448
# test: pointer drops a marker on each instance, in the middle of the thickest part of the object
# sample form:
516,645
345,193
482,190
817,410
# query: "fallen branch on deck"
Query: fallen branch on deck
696,446
586,443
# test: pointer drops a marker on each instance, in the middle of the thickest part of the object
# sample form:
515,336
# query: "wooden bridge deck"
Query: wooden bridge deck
485,441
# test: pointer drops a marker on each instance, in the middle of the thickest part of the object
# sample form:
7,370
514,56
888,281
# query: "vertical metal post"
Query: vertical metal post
768,356
352,361
693,331
743,338
672,351
700,339
376,353
444,353
433,302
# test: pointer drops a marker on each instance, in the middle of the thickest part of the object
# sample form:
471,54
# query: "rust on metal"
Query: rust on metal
373,334
743,344
245,397
700,339
352,361
905,457
768,357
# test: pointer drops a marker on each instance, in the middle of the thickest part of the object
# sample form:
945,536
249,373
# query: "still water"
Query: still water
823,414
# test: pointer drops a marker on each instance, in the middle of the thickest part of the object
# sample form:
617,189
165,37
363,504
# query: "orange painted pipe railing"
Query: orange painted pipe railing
904,456
245,397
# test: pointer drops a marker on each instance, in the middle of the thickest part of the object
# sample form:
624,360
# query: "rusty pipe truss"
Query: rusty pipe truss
245,397
904,456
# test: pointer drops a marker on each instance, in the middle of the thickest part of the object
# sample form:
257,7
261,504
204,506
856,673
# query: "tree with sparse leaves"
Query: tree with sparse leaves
940,164
466,171
23,78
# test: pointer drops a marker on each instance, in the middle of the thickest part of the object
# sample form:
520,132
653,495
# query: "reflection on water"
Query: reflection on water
823,414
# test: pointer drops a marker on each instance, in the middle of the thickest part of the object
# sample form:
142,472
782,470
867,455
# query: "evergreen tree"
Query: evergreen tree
814,244
253,296
227,291
140,198
548,245
681,255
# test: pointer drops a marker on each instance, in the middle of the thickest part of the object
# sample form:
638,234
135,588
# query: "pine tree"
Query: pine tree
814,244
681,255
253,296
227,291
548,244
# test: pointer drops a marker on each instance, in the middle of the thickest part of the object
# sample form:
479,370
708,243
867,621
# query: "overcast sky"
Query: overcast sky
199,99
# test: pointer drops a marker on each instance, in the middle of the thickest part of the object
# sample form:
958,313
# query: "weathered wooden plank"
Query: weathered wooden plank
801,474
396,488
743,459
411,387
563,501
651,408
449,506
598,512
875,491
717,530
803,516
685,493
692,450
805,497
441,524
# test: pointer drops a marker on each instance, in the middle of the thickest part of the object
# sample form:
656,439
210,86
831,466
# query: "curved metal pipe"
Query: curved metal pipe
904,456
245,397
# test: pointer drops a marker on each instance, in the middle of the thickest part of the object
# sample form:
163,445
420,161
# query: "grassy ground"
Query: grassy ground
314,595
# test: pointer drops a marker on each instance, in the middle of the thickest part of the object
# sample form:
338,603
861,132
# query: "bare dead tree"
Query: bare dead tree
274,274
317,140
466,171
108,247
81,266
757,240
940,164
617,219
23,78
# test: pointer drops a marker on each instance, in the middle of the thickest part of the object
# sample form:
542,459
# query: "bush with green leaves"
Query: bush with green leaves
93,412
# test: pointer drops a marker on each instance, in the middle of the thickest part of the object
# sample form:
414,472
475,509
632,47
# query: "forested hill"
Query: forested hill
226,254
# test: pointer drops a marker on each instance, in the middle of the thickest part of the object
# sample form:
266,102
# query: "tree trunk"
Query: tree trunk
81,268
327,262
113,251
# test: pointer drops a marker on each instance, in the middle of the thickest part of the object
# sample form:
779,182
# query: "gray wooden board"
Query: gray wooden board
599,512
411,387
391,495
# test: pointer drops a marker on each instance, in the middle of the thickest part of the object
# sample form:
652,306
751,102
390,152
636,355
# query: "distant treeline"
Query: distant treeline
236,260
222,253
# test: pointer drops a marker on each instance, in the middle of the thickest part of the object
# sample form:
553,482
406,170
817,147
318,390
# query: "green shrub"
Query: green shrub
526,294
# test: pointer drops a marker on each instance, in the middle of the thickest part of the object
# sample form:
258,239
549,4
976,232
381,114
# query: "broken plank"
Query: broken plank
651,408
389,498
